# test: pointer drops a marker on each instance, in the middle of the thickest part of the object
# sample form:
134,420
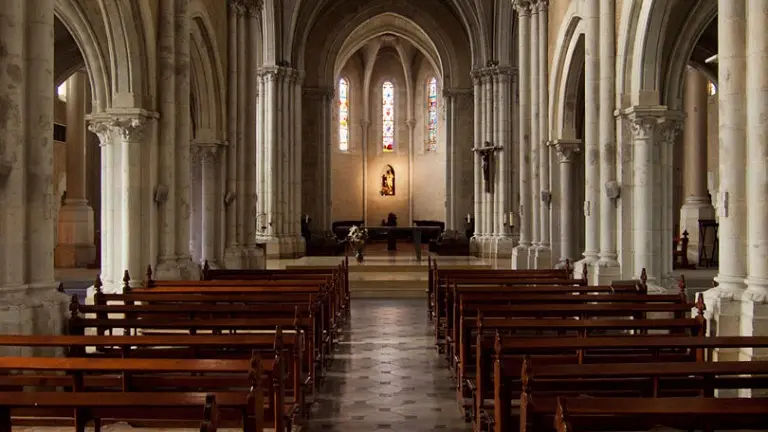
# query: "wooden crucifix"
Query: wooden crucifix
486,153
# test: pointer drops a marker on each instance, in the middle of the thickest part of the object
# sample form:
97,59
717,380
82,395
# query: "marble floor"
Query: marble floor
386,374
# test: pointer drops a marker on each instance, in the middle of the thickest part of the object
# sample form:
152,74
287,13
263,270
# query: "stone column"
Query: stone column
233,252
732,94
449,102
757,157
208,155
535,202
187,269
252,129
504,240
76,248
521,252
166,237
544,249
697,204
567,151
476,242
195,205
487,125
591,136
411,123
607,268
240,131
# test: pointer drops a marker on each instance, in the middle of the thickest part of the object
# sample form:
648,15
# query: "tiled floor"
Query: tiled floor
387,375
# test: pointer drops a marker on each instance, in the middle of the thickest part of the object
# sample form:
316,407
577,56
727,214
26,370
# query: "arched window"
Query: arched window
432,114
388,116
343,114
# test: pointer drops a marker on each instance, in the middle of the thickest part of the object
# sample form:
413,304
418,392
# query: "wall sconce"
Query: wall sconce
161,193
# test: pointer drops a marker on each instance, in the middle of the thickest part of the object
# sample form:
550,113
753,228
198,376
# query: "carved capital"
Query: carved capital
410,123
246,7
207,153
669,130
126,126
523,7
566,150
643,127
542,5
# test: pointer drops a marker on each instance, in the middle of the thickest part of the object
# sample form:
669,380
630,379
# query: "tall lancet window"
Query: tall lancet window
432,114
388,116
343,114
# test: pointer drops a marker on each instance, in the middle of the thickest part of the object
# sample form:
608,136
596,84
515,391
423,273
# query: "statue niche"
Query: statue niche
388,182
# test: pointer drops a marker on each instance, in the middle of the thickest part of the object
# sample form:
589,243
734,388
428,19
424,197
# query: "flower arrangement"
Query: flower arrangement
357,235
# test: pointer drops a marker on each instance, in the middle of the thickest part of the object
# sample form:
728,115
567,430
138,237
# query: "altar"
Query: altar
416,234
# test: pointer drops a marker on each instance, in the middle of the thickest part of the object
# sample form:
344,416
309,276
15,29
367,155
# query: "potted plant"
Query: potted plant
356,238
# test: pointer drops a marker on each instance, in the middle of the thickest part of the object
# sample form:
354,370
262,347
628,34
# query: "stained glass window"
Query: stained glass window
388,116
432,115
343,114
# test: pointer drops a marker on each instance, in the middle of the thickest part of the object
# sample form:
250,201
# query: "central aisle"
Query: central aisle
387,375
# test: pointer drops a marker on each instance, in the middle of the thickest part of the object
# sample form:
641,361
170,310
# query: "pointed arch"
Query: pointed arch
206,84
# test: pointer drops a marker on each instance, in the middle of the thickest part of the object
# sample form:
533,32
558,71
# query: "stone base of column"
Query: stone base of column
504,245
579,266
520,256
283,247
256,257
167,268
542,257
563,263
606,271
29,310
188,269
235,257
476,246
75,232
692,211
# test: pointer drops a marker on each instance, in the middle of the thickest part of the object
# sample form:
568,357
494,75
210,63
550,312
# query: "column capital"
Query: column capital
541,5
280,72
523,7
566,149
643,121
128,125
246,7
410,123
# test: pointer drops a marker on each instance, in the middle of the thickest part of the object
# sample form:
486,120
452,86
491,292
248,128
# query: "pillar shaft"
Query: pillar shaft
591,132
76,170
695,137
208,158
520,253
476,157
731,22
240,132
535,134
607,133
644,130
567,151
544,249
166,267
231,202
757,148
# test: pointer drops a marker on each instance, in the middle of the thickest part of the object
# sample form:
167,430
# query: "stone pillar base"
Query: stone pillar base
542,257
578,269
738,313
503,246
235,257
75,235
476,246
607,271
283,247
166,269
520,255
256,257
692,211
74,255
25,310
188,270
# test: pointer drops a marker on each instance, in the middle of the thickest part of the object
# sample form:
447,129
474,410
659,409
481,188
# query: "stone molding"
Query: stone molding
566,149
644,121
483,74
275,73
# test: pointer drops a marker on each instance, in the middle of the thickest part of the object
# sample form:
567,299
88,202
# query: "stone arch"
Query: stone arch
702,14
130,53
74,18
567,69
206,77
320,62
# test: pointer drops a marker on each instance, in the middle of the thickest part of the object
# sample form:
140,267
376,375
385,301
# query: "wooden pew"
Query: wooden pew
605,414
238,385
474,297
84,408
542,384
442,280
511,355
475,390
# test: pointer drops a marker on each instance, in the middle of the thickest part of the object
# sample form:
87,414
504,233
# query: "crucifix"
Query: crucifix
485,155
